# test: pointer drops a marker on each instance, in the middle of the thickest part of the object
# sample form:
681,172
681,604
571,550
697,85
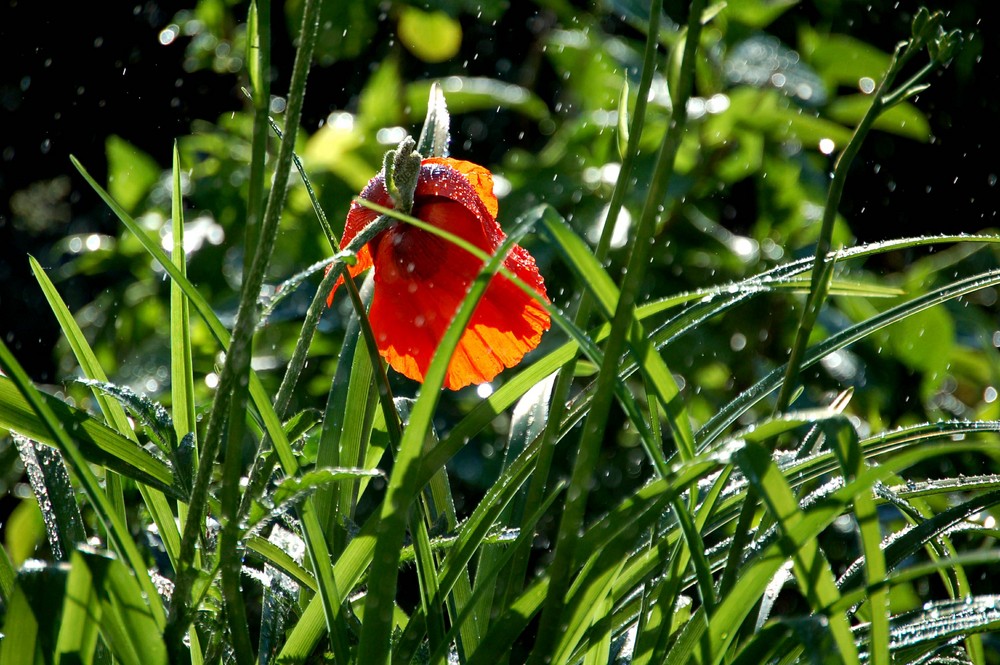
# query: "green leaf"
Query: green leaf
840,59
118,535
380,104
54,493
431,36
31,620
757,13
903,119
131,172
128,627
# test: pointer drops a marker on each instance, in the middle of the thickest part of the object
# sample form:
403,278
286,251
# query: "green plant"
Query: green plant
728,543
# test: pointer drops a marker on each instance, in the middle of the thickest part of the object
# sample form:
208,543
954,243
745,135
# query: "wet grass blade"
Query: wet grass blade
54,493
118,534
403,486
332,595
98,443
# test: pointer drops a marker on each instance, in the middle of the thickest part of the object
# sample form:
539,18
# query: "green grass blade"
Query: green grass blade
7,576
98,443
467,614
181,364
112,409
590,273
133,632
54,492
30,614
851,458
738,406
811,567
118,533
311,529
470,539
80,623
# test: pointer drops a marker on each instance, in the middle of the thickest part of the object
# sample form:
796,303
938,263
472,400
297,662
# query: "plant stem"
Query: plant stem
234,377
822,264
540,477
594,425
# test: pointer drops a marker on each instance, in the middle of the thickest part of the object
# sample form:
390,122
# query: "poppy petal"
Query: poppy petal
358,217
420,281
479,177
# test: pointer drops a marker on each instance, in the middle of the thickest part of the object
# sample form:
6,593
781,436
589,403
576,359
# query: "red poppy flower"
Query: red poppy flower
421,279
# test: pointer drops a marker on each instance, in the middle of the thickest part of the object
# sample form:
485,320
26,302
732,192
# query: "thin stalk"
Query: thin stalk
260,79
233,379
585,306
593,429
822,262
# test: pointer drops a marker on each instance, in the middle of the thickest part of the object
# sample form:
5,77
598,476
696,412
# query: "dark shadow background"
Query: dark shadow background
72,76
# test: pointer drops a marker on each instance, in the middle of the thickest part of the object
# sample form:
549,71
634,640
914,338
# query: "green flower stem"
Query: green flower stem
540,477
823,264
233,380
593,428
260,79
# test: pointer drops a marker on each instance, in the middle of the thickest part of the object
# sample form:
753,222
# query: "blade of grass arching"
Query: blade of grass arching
402,489
81,616
914,540
91,369
987,558
598,577
118,534
593,429
467,614
132,632
652,638
729,413
811,568
22,642
486,410
280,559
527,422
98,443
847,447
609,540
54,493
646,562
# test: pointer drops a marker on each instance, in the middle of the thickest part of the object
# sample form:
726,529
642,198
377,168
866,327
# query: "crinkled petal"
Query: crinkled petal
420,281
358,217
478,176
